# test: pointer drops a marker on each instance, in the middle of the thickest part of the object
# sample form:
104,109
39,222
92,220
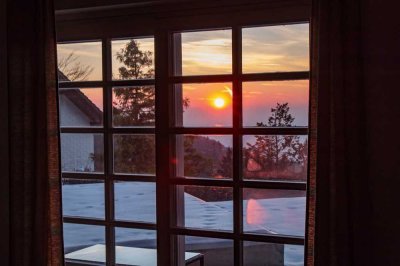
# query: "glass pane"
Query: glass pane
206,207
203,105
84,243
81,107
268,211
260,254
135,201
206,251
83,198
276,48
206,156
203,52
134,154
79,61
135,247
82,152
133,58
275,157
275,103
134,106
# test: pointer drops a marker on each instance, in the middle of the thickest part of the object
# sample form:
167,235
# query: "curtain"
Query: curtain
343,209
34,224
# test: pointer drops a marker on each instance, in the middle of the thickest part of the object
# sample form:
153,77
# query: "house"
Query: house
79,151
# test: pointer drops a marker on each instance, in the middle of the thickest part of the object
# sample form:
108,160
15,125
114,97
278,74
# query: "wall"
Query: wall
76,148
382,91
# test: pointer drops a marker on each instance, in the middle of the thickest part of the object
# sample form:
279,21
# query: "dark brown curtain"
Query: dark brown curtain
343,207
29,85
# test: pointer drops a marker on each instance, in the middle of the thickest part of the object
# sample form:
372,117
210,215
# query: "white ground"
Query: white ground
136,201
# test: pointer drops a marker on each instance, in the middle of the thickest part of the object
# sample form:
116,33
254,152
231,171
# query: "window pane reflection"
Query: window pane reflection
260,254
203,52
275,103
209,251
272,211
133,58
134,154
84,243
275,157
135,201
206,207
82,152
203,105
276,48
83,198
204,156
81,107
135,246
79,61
133,106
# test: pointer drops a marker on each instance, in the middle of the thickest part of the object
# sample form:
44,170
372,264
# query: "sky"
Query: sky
265,49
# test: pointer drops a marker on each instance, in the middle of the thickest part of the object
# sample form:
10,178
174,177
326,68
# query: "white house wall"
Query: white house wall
76,149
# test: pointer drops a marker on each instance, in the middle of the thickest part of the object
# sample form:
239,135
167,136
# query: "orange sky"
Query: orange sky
265,49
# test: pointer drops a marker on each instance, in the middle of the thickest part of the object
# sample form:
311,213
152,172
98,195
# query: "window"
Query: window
190,146
107,120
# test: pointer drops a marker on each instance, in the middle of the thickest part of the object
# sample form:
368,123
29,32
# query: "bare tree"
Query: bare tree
73,69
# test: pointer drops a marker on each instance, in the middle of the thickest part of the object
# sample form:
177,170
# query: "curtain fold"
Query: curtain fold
342,232
34,183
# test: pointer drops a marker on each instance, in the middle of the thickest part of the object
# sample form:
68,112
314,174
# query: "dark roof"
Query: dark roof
81,101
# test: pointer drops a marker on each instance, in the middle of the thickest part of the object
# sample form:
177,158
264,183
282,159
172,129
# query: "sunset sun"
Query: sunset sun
219,102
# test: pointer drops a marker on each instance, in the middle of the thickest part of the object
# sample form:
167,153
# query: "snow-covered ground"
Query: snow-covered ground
136,201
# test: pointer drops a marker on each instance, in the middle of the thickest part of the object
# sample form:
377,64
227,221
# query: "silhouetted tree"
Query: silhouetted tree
73,69
196,165
135,106
274,153
225,167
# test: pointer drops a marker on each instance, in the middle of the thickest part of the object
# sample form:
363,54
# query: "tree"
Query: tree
196,165
134,106
225,167
73,69
275,153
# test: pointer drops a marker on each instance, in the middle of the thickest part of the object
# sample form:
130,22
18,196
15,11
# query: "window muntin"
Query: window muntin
236,185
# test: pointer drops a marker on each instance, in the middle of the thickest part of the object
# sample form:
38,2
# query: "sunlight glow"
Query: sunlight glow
256,213
219,102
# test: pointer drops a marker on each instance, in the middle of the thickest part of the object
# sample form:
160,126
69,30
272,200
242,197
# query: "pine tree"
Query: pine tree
134,106
275,152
